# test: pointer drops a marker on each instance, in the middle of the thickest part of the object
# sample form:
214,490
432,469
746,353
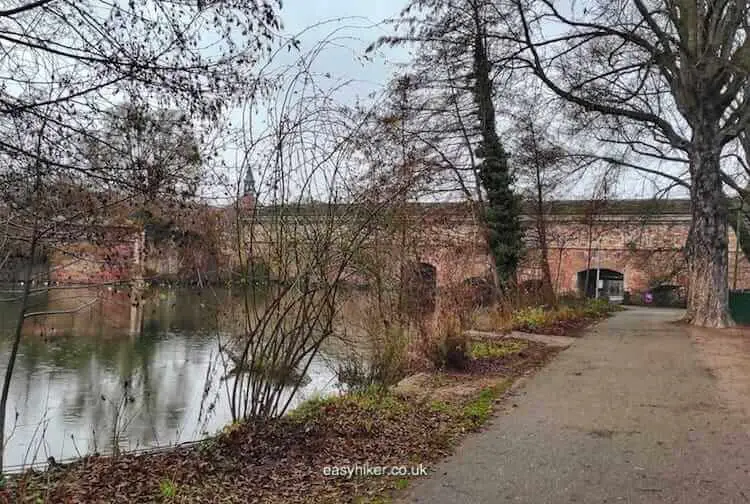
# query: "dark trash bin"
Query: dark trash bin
739,306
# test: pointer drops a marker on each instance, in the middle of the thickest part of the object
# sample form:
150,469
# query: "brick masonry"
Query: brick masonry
646,251
644,246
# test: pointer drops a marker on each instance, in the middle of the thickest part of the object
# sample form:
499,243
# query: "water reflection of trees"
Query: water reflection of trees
93,353
88,357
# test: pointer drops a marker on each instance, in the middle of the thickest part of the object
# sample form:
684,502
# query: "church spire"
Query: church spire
248,193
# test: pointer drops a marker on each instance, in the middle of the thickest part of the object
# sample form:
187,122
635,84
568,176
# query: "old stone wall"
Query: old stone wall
82,263
645,249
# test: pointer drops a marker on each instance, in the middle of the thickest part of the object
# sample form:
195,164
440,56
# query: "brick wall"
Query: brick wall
82,263
645,249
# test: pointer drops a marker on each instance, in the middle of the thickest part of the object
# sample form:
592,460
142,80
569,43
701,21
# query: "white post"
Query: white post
598,267
596,291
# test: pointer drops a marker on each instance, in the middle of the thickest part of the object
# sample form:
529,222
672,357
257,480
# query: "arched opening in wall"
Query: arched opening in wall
669,295
420,287
603,283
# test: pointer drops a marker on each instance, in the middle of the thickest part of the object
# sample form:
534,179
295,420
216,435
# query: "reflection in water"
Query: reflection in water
145,374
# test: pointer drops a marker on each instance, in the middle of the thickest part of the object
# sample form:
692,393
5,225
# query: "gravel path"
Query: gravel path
633,412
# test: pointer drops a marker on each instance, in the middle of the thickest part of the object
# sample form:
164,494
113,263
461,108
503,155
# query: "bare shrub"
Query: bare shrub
443,341
383,366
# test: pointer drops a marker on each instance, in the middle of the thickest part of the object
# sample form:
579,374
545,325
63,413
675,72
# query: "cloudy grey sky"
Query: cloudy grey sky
360,23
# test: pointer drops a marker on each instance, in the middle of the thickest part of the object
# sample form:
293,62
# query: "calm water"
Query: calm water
67,394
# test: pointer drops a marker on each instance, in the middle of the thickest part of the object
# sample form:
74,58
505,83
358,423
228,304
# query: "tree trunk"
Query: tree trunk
502,218
16,344
548,293
707,247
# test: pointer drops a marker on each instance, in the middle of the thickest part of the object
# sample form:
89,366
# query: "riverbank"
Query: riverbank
285,460
299,458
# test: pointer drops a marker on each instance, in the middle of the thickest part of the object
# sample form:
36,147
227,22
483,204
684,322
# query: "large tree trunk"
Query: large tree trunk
707,247
502,218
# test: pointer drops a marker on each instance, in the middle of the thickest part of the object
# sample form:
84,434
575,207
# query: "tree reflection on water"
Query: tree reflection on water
139,374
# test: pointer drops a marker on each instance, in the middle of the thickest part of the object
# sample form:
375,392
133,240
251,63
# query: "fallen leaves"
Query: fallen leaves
283,460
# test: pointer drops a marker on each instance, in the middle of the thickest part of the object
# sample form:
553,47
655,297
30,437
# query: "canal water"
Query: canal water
141,376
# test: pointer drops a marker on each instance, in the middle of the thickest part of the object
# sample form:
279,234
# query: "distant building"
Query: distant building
247,201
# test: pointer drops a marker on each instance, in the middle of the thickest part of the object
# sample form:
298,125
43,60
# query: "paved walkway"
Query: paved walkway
630,413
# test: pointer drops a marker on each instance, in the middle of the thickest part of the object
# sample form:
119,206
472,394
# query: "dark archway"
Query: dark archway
669,295
420,287
611,284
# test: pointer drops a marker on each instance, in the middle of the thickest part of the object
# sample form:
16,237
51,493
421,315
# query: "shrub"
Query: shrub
569,298
446,345
531,319
595,308
385,366
493,319
535,319
455,349
479,292
567,313
354,373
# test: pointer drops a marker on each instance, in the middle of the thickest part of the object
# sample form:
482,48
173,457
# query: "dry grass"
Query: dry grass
561,320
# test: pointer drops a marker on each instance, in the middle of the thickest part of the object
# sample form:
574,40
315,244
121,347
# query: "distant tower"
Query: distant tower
248,194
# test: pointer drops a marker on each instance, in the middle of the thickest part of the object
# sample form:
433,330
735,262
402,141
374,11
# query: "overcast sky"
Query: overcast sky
358,23
354,24
362,25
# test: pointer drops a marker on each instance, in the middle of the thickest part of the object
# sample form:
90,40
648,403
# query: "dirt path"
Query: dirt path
638,411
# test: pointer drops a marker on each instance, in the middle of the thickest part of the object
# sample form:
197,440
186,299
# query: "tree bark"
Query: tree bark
548,292
502,218
707,248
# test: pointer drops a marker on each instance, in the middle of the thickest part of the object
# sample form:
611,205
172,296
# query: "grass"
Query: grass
568,315
466,416
496,349
477,411
167,488
373,401
532,318
438,406
402,484
311,408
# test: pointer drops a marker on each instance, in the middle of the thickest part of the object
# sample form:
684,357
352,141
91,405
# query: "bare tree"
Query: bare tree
65,62
156,152
540,168
665,80
303,213
462,60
